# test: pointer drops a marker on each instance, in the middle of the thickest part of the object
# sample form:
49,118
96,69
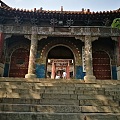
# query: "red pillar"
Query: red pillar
68,71
1,44
53,70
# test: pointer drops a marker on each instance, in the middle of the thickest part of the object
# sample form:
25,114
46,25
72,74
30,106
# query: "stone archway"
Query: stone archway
101,65
54,42
60,59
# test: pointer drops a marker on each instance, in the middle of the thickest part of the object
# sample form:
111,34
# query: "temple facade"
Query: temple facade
43,44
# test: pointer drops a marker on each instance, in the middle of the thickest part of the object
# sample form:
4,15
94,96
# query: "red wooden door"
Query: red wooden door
101,65
19,63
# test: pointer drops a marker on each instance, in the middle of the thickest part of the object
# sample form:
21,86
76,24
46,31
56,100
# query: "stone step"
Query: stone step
49,82
100,109
77,96
57,116
20,93
49,85
54,90
99,103
59,101
40,108
46,99
106,116
58,108
40,116
43,80
7,94
40,101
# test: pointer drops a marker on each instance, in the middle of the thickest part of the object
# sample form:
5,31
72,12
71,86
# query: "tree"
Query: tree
116,23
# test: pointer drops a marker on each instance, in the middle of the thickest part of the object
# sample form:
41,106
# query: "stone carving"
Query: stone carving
8,29
41,37
34,21
69,22
93,38
27,30
27,36
34,30
18,20
73,31
88,22
53,22
2,19
82,38
87,46
114,38
106,22
7,36
88,55
83,59
87,31
95,31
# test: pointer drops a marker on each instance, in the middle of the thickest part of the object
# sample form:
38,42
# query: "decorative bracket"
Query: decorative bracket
27,36
82,38
7,36
93,38
41,37
114,38
1,28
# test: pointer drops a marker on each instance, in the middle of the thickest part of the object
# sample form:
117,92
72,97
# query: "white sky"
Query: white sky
69,5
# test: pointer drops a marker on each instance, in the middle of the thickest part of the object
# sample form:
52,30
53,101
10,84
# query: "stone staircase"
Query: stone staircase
45,99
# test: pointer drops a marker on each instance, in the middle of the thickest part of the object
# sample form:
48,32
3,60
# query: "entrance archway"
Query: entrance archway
19,63
101,65
60,59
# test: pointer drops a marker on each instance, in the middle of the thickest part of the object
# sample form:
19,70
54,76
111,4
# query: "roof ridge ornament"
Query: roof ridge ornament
3,4
61,8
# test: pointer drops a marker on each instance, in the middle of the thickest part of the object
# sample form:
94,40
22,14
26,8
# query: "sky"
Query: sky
68,5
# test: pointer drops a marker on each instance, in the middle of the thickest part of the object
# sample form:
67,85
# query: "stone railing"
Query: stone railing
62,31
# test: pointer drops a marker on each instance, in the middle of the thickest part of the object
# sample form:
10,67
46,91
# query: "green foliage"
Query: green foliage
116,23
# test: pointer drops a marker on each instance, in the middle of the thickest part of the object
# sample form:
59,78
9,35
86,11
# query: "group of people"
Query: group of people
64,75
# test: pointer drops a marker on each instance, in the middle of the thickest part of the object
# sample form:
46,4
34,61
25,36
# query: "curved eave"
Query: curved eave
14,10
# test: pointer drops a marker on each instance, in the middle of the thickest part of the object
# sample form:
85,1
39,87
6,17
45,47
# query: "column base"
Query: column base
90,78
30,76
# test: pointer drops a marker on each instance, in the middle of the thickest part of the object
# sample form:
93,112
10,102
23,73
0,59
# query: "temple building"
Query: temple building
42,44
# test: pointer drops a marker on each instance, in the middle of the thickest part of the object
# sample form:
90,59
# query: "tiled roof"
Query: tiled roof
83,11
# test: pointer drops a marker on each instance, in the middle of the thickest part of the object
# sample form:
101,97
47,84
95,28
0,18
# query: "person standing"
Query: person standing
64,75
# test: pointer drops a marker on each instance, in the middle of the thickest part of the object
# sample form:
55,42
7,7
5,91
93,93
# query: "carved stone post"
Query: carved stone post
88,59
68,70
53,71
1,40
1,43
118,60
33,51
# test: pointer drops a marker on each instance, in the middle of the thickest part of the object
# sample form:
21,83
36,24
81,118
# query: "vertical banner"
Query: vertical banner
1,44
